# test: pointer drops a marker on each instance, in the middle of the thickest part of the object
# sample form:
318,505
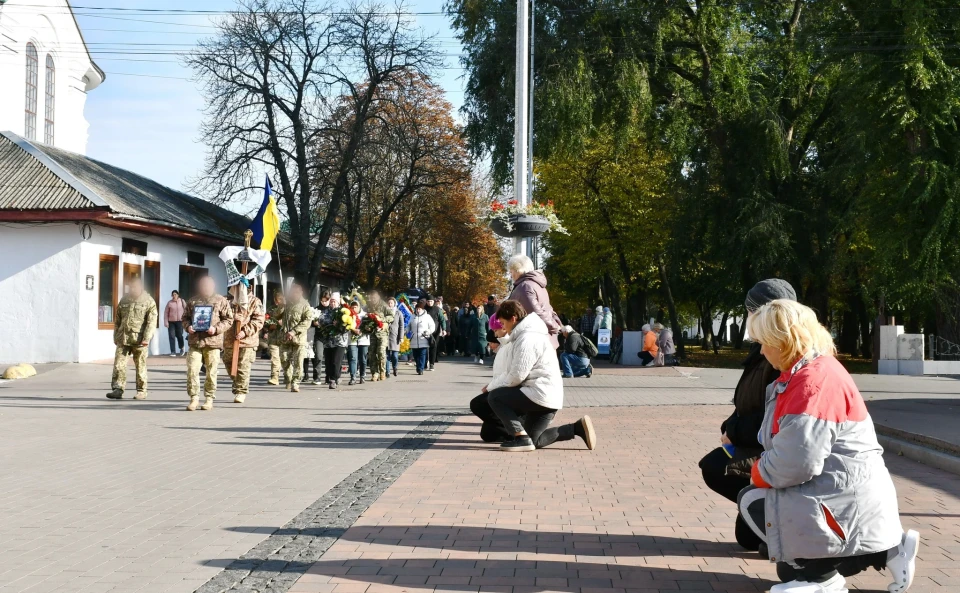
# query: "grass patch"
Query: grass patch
729,357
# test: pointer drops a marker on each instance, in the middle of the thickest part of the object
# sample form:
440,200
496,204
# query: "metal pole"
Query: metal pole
533,15
520,173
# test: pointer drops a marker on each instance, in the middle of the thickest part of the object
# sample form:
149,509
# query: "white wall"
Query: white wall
97,344
49,315
49,25
39,283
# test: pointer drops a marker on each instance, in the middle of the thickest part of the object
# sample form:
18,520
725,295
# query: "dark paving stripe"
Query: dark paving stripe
275,564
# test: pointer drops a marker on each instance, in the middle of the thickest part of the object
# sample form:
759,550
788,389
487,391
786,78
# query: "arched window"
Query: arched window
30,115
49,101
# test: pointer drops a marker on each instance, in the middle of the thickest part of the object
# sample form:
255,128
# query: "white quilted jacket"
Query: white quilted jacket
526,358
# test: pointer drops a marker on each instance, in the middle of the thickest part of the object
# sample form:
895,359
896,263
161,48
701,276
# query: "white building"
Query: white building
75,231
46,71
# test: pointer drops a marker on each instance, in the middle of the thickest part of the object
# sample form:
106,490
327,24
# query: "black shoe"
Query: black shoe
333,384
351,382
583,428
520,444
764,552
361,380
394,372
420,372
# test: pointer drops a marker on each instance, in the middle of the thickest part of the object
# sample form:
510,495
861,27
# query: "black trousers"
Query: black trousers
175,333
713,467
434,350
317,359
645,357
514,412
333,362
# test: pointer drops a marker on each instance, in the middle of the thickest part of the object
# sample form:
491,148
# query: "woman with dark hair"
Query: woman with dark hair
527,390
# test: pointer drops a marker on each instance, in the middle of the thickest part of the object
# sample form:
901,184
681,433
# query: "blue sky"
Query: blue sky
146,115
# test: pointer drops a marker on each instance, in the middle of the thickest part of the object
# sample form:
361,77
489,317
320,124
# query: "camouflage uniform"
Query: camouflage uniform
251,322
273,344
134,324
296,320
205,348
379,341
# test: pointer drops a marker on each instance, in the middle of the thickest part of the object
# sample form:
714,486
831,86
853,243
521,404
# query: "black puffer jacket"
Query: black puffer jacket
748,399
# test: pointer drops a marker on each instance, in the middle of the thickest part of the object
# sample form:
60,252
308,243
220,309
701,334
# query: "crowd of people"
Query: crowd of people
798,455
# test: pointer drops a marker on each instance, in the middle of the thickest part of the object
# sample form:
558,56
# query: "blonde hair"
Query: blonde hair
790,327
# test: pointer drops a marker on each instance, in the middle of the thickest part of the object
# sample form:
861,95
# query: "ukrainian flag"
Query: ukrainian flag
266,225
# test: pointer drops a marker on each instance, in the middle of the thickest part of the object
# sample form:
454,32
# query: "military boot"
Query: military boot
140,395
239,398
115,394
273,381
194,402
207,404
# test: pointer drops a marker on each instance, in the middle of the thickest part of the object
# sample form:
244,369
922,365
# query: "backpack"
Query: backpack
588,347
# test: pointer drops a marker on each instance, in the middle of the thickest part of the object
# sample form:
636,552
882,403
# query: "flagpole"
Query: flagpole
280,267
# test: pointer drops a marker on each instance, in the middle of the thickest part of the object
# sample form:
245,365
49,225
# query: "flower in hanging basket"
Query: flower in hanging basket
505,216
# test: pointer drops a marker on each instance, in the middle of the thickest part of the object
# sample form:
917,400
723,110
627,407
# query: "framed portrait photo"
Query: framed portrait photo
202,316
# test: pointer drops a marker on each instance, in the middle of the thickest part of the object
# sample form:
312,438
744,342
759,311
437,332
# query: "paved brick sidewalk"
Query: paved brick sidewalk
631,516
132,496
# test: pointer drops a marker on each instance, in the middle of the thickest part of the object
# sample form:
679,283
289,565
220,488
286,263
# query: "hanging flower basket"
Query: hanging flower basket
514,220
520,225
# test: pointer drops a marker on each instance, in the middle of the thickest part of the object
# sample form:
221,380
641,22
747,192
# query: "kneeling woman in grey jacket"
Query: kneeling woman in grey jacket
821,498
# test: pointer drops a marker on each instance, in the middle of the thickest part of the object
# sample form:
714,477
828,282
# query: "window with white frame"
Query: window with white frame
30,113
49,105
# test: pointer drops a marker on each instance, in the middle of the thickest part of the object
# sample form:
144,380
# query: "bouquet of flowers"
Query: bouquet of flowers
371,324
270,324
405,346
340,322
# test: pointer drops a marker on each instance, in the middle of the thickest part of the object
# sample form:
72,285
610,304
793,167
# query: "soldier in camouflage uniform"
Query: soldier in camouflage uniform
133,327
274,336
205,346
380,339
297,317
250,318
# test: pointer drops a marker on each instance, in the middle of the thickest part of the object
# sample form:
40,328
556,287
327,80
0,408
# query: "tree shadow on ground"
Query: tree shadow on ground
496,539
569,562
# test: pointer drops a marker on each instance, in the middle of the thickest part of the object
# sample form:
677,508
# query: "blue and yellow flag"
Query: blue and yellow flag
266,225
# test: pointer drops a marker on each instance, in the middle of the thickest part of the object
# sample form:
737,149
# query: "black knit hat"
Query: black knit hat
769,290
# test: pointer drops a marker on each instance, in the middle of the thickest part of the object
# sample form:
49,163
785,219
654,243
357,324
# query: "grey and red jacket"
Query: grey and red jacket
830,493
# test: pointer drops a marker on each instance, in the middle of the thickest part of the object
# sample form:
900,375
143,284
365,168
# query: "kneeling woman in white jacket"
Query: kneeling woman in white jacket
527,388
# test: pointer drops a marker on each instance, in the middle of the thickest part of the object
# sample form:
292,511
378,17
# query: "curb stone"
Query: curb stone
275,564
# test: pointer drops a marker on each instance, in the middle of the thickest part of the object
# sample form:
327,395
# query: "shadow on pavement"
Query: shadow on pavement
595,561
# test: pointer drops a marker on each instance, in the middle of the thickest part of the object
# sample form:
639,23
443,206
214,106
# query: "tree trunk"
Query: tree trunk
671,306
706,322
723,327
615,301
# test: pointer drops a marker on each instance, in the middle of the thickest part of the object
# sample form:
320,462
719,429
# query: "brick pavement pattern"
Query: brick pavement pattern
140,496
631,516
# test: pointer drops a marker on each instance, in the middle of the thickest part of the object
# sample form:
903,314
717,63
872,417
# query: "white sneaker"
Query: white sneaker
172,355
904,564
481,361
836,584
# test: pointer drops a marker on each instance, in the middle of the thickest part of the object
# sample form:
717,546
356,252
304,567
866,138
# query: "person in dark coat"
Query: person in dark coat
463,320
477,333
727,475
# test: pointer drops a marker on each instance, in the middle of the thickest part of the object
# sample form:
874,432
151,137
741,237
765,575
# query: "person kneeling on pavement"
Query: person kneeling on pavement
574,359
821,495
526,392
726,469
